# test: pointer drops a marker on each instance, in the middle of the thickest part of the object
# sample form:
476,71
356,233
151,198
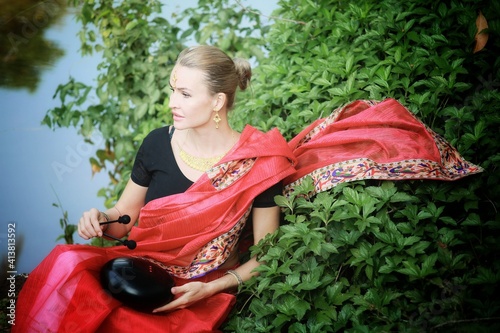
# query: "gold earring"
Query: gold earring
217,118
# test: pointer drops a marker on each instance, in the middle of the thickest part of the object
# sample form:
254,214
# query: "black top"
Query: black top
155,168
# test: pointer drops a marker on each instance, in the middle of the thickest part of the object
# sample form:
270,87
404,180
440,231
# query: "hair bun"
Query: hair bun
244,72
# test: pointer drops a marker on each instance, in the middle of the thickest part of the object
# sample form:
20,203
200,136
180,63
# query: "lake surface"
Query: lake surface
47,55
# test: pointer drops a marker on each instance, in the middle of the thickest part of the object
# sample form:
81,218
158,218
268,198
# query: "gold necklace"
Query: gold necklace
199,163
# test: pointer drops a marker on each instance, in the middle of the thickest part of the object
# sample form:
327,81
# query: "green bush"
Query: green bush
409,256
375,256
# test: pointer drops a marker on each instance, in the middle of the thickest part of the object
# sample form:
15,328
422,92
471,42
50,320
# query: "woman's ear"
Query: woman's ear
219,101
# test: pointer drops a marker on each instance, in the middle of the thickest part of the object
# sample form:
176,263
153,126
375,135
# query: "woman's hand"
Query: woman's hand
188,294
88,226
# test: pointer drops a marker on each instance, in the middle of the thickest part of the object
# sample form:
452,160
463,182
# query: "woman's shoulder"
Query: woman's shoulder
158,133
156,139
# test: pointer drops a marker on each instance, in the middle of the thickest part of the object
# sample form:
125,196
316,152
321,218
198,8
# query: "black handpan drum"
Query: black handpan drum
137,283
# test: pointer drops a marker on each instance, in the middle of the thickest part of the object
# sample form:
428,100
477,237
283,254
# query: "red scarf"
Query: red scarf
373,140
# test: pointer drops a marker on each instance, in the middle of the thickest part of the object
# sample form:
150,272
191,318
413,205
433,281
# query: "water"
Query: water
31,153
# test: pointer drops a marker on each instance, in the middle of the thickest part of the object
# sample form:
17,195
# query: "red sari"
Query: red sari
63,294
363,140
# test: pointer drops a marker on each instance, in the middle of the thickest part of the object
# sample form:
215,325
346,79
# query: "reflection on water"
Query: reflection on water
24,51
33,35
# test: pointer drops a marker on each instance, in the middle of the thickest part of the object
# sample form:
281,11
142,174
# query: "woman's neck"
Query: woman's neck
208,142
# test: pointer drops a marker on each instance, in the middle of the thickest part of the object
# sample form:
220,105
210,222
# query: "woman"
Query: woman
193,187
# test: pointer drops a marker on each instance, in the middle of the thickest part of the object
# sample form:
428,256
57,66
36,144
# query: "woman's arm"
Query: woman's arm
130,203
265,221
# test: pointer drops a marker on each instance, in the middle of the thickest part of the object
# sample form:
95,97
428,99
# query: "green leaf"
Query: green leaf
428,265
322,82
131,25
335,294
472,219
292,306
282,201
410,269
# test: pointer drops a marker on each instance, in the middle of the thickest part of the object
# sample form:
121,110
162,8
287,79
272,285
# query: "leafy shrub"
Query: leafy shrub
372,257
417,256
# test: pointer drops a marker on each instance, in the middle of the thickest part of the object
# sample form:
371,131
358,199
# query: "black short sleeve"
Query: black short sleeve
266,198
140,174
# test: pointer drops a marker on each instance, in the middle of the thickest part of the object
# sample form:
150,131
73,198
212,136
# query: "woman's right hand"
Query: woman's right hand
88,226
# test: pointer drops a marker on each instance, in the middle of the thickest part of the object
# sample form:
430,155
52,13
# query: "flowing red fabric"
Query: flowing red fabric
63,294
373,140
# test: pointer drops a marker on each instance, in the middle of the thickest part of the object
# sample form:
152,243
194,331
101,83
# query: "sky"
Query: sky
40,165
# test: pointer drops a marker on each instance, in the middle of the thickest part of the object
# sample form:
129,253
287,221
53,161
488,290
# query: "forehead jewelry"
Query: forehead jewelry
174,79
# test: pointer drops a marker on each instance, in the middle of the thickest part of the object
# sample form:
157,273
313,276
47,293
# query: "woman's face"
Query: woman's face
191,102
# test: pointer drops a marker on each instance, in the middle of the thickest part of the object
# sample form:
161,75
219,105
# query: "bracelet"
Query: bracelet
236,276
107,220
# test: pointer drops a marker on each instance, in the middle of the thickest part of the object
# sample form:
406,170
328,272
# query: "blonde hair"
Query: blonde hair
222,74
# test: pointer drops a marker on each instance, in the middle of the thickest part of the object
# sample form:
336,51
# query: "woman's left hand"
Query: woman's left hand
189,293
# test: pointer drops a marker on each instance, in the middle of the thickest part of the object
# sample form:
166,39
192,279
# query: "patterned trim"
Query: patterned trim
225,174
363,168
